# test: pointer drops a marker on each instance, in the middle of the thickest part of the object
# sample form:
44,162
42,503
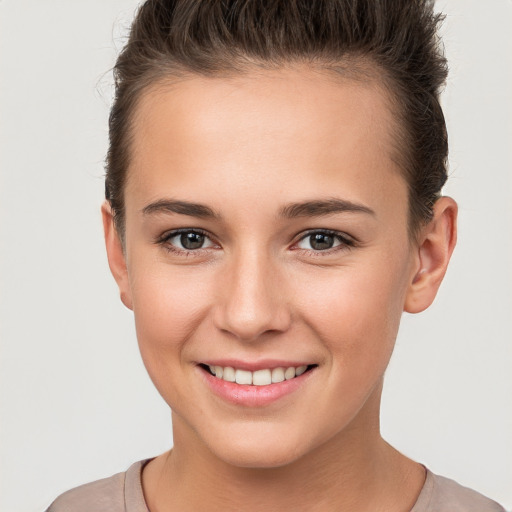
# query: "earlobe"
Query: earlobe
436,243
115,255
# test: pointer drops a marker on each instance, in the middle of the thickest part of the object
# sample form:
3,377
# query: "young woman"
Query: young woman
272,207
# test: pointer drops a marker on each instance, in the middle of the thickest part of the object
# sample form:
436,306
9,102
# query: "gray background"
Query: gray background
76,403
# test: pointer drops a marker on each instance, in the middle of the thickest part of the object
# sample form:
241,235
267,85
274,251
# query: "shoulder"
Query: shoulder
121,492
101,495
441,494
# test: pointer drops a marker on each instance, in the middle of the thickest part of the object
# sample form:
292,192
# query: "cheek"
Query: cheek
168,303
356,312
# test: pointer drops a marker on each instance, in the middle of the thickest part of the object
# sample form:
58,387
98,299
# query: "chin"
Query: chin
257,457
262,450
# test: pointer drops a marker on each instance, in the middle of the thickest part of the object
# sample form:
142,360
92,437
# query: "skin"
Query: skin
246,147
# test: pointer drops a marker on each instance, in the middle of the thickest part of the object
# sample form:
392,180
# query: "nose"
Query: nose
253,300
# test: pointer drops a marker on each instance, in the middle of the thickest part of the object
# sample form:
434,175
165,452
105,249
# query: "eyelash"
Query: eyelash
345,242
164,241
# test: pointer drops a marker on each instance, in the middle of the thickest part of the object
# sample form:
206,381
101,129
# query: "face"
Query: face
266,237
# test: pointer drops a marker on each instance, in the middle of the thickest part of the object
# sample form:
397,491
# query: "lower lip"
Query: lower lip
254,396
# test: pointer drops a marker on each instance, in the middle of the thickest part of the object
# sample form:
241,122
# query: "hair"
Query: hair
397,40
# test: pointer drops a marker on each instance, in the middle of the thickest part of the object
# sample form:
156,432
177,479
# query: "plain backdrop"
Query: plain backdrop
76,403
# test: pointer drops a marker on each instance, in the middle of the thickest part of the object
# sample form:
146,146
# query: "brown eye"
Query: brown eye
324,240
188,240
321,241
192,240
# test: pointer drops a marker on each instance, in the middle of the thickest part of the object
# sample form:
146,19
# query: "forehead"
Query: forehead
294,129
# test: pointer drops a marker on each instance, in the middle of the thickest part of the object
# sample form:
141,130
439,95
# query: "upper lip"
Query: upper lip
253,366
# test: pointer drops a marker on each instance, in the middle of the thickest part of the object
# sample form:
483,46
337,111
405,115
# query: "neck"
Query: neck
355,470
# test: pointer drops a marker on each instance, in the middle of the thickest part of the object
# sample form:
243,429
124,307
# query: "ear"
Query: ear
116,256
435,246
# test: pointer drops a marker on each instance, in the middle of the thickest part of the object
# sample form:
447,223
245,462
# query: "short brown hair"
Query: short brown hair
398,38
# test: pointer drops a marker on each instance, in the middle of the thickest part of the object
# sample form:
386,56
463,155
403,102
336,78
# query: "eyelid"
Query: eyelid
163,240
346,241
173,232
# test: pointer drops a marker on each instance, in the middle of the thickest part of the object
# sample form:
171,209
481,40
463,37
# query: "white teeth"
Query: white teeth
229,374
277,375
259,377
289,373
300,370
262,378
243,377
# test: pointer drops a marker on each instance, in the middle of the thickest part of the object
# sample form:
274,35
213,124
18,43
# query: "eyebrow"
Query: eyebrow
180,207
314,208
317,208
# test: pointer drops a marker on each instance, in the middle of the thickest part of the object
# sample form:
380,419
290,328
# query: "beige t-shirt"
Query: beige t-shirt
123,493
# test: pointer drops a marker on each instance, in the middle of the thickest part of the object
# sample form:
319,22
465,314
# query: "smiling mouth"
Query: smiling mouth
263,377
